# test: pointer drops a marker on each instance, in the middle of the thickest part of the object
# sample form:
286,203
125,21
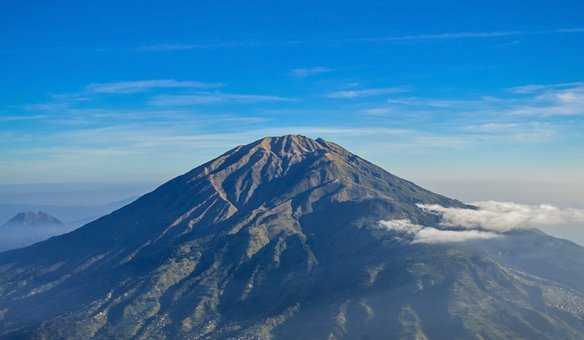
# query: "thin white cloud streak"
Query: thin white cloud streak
444,36
441,103
213,98
534,88
429,235
468,137
309,71
569,30
185,47
19,118
530,100
351,94
515,132
503,216
378,111
466,35
552,102
146,85
161,139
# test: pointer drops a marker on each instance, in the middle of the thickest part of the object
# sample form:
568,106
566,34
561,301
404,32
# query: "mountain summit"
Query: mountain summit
281,239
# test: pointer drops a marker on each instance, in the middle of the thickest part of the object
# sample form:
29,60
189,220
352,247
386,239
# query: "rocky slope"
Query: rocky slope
280,239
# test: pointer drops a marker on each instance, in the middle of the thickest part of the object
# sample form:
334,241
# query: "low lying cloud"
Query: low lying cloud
401,225
422,234
433,235
502,216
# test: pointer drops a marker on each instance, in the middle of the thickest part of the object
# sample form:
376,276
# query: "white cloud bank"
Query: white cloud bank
429,235
487,222
433,235
502,216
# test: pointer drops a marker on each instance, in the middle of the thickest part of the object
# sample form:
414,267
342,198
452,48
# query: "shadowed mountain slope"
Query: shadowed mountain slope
279,239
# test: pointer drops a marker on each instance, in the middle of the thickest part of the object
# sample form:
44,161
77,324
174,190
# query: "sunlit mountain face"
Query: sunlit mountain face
292,238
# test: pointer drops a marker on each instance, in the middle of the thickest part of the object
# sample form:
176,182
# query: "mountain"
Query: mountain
26,228
282,239
71,215
32,219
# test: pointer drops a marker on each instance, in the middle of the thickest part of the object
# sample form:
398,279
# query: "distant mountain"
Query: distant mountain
26,228
281,239
21,234
71,215
31,219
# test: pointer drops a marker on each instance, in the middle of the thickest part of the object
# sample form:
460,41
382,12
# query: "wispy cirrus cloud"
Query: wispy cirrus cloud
213,98
305,72
145,85
359,93
421,37
441,103
18,118
61,103
513,131
565,99
445,36
169,47
466,35
534,88
550,101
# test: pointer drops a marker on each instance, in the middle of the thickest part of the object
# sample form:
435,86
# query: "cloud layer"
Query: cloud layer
429,235
502,216
487,222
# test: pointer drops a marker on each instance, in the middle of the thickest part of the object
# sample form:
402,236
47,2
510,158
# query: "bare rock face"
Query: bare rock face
277,240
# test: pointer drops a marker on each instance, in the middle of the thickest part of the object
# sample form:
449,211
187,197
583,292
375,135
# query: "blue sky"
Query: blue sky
432,91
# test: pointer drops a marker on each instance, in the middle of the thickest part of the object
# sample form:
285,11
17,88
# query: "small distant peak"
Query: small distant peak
33,218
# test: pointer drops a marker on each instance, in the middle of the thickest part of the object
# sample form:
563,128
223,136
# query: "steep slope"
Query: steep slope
279,239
